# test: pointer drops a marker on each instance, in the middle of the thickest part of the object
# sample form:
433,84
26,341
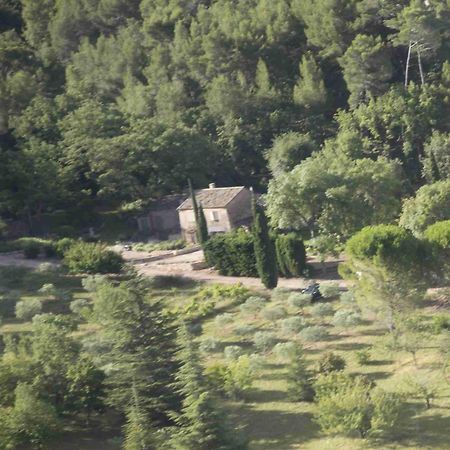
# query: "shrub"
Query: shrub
31,250
322,310
232,253
348,300
346,319
27,309
223,319
363,356
47,289
84,257
210,345
233,379
298,300
330,362
175,244
264,341
280,294
244,330
274,313
292,325
63,295
346,405
253,305
92,282
329,290
47,267
232,352
63,245
8,303
81,307
313,334
440,323
438,236
291,254
299,378
285,350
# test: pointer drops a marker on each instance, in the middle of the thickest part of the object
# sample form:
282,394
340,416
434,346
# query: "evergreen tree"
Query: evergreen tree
266,261
310,91
202,423
138,430
143,348
202,227
300,382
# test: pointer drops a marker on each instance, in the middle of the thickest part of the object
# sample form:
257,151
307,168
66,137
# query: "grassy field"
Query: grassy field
270,420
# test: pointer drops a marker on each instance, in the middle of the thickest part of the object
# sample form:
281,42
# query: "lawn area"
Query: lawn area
269,419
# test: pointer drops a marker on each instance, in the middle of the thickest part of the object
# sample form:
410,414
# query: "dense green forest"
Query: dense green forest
114,101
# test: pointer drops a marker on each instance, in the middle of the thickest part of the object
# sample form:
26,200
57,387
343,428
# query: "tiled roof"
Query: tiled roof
213,197
166,202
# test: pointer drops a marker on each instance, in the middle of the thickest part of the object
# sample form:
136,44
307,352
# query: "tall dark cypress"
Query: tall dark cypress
266,260
202,227
193,199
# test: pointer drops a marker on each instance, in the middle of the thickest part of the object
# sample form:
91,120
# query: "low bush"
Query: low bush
253,305
63,245
280,294
330,362
244,330
84,257
232,352
8,302
175,244
292,325
348,300
329,290
27,309
440,323
210,345
264,341
92,282
47,289
313,334
223,320
232,254
363,356
291,254
81,307
232,379
274,313
346,319
298,300
322,310
47,267
285,350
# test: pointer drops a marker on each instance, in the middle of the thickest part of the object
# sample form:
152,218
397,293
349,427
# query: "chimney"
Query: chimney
212,185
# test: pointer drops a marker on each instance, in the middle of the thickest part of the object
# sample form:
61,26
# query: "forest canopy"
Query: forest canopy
115,100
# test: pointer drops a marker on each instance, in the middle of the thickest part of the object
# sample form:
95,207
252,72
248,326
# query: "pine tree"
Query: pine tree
310,91
299,378
266,261
138,430
202,227
262,80
202,423
143,348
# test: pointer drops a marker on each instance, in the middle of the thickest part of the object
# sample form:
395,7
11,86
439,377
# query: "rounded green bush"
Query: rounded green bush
346,319
264,341
331,362
292,325
314,333
274,313
84,257
299,300
27,309
322,310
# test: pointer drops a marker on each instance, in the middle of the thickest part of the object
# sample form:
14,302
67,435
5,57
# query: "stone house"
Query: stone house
225,208
161,219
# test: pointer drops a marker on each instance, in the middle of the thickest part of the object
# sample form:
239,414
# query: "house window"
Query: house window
215,216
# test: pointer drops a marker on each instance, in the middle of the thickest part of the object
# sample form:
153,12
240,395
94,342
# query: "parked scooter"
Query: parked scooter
314,291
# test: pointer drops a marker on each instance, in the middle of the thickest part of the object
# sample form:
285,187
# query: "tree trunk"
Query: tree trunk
419,60
407,64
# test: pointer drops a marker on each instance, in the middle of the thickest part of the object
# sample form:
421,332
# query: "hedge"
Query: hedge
232,253
291,255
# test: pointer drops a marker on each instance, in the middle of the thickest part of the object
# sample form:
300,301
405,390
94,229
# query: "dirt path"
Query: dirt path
181,266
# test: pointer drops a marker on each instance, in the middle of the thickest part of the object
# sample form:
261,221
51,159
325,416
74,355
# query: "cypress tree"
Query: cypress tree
291,255
300,386
202,424
266,261
202,227
193,199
